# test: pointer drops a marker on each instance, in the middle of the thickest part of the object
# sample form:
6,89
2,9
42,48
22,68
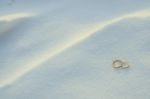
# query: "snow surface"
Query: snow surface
63,49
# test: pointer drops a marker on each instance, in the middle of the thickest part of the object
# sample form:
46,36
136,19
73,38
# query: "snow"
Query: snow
65,49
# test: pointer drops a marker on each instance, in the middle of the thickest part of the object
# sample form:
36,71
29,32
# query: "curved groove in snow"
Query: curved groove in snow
84,34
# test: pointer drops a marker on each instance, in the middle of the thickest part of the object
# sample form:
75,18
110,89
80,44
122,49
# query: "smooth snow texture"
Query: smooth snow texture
64,49
85,33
